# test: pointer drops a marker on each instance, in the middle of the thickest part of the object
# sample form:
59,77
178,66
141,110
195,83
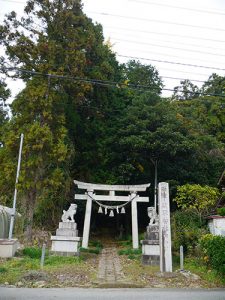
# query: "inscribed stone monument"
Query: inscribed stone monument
164,228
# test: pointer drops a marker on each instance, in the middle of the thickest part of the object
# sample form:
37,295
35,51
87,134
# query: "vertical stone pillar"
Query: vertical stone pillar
87,220
164,228
134,222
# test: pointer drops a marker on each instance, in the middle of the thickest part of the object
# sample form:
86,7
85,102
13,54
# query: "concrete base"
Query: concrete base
65,245
8,247
151,260
150,253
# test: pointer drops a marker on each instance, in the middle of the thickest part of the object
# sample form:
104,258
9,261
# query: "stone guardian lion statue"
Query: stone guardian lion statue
152,214
68,215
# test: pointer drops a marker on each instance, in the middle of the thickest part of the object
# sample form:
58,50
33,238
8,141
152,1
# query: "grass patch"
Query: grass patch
62,260
195,265
33,252
3,270
95,247
90,250
14,268
129,251
125,243
96,244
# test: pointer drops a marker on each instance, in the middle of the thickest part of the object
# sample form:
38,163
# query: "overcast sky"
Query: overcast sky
184,31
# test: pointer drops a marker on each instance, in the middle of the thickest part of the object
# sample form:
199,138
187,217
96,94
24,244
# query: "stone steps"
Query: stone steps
109,270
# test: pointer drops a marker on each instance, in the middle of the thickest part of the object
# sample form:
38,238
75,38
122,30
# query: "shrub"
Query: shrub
197,197
187,230
32,252
221,211
213,248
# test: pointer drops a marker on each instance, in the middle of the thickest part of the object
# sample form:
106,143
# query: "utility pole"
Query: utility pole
15,192
155,163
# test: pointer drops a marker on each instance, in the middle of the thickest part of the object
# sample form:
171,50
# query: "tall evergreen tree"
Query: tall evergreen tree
54,113
4,95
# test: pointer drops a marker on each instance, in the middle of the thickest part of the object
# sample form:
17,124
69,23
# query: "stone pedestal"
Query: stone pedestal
66,241
150,246
8,247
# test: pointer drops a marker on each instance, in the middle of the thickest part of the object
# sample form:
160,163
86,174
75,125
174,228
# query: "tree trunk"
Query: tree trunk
31,199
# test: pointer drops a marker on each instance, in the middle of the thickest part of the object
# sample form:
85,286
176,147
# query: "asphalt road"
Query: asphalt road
111,294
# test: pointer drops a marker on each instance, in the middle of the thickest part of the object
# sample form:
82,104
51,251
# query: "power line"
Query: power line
166,34
181,79
180,7
169,47
175,56
157,21
171,62
173,42
167,77
182,71
13,1
144,31
150,3
105,83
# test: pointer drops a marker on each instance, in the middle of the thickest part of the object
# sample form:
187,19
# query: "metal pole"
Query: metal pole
15,192
43,255
181,258
155,188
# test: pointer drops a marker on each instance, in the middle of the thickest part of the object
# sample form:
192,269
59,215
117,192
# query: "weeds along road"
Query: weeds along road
110,294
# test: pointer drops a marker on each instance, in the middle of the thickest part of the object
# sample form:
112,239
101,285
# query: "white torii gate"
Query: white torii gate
91,195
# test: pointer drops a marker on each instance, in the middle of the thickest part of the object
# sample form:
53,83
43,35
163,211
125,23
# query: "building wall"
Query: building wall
217,226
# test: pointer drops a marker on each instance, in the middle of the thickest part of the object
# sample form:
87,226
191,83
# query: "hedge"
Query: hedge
213,248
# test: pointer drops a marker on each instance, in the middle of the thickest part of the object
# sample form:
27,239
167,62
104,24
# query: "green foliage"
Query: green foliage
197,266
186,91
213,248
4,94
91,250
14,269
221,211
96,244
61,260
129,251
95,133
54,115
187,229
197,197
94,247
3,270
214,85
145,75
95,251
32,252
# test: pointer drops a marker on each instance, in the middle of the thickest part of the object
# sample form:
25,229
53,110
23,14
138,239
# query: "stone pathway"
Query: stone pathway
110,270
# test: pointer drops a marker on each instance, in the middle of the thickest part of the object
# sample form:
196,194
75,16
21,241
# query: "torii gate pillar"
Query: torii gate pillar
87,220
134,216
